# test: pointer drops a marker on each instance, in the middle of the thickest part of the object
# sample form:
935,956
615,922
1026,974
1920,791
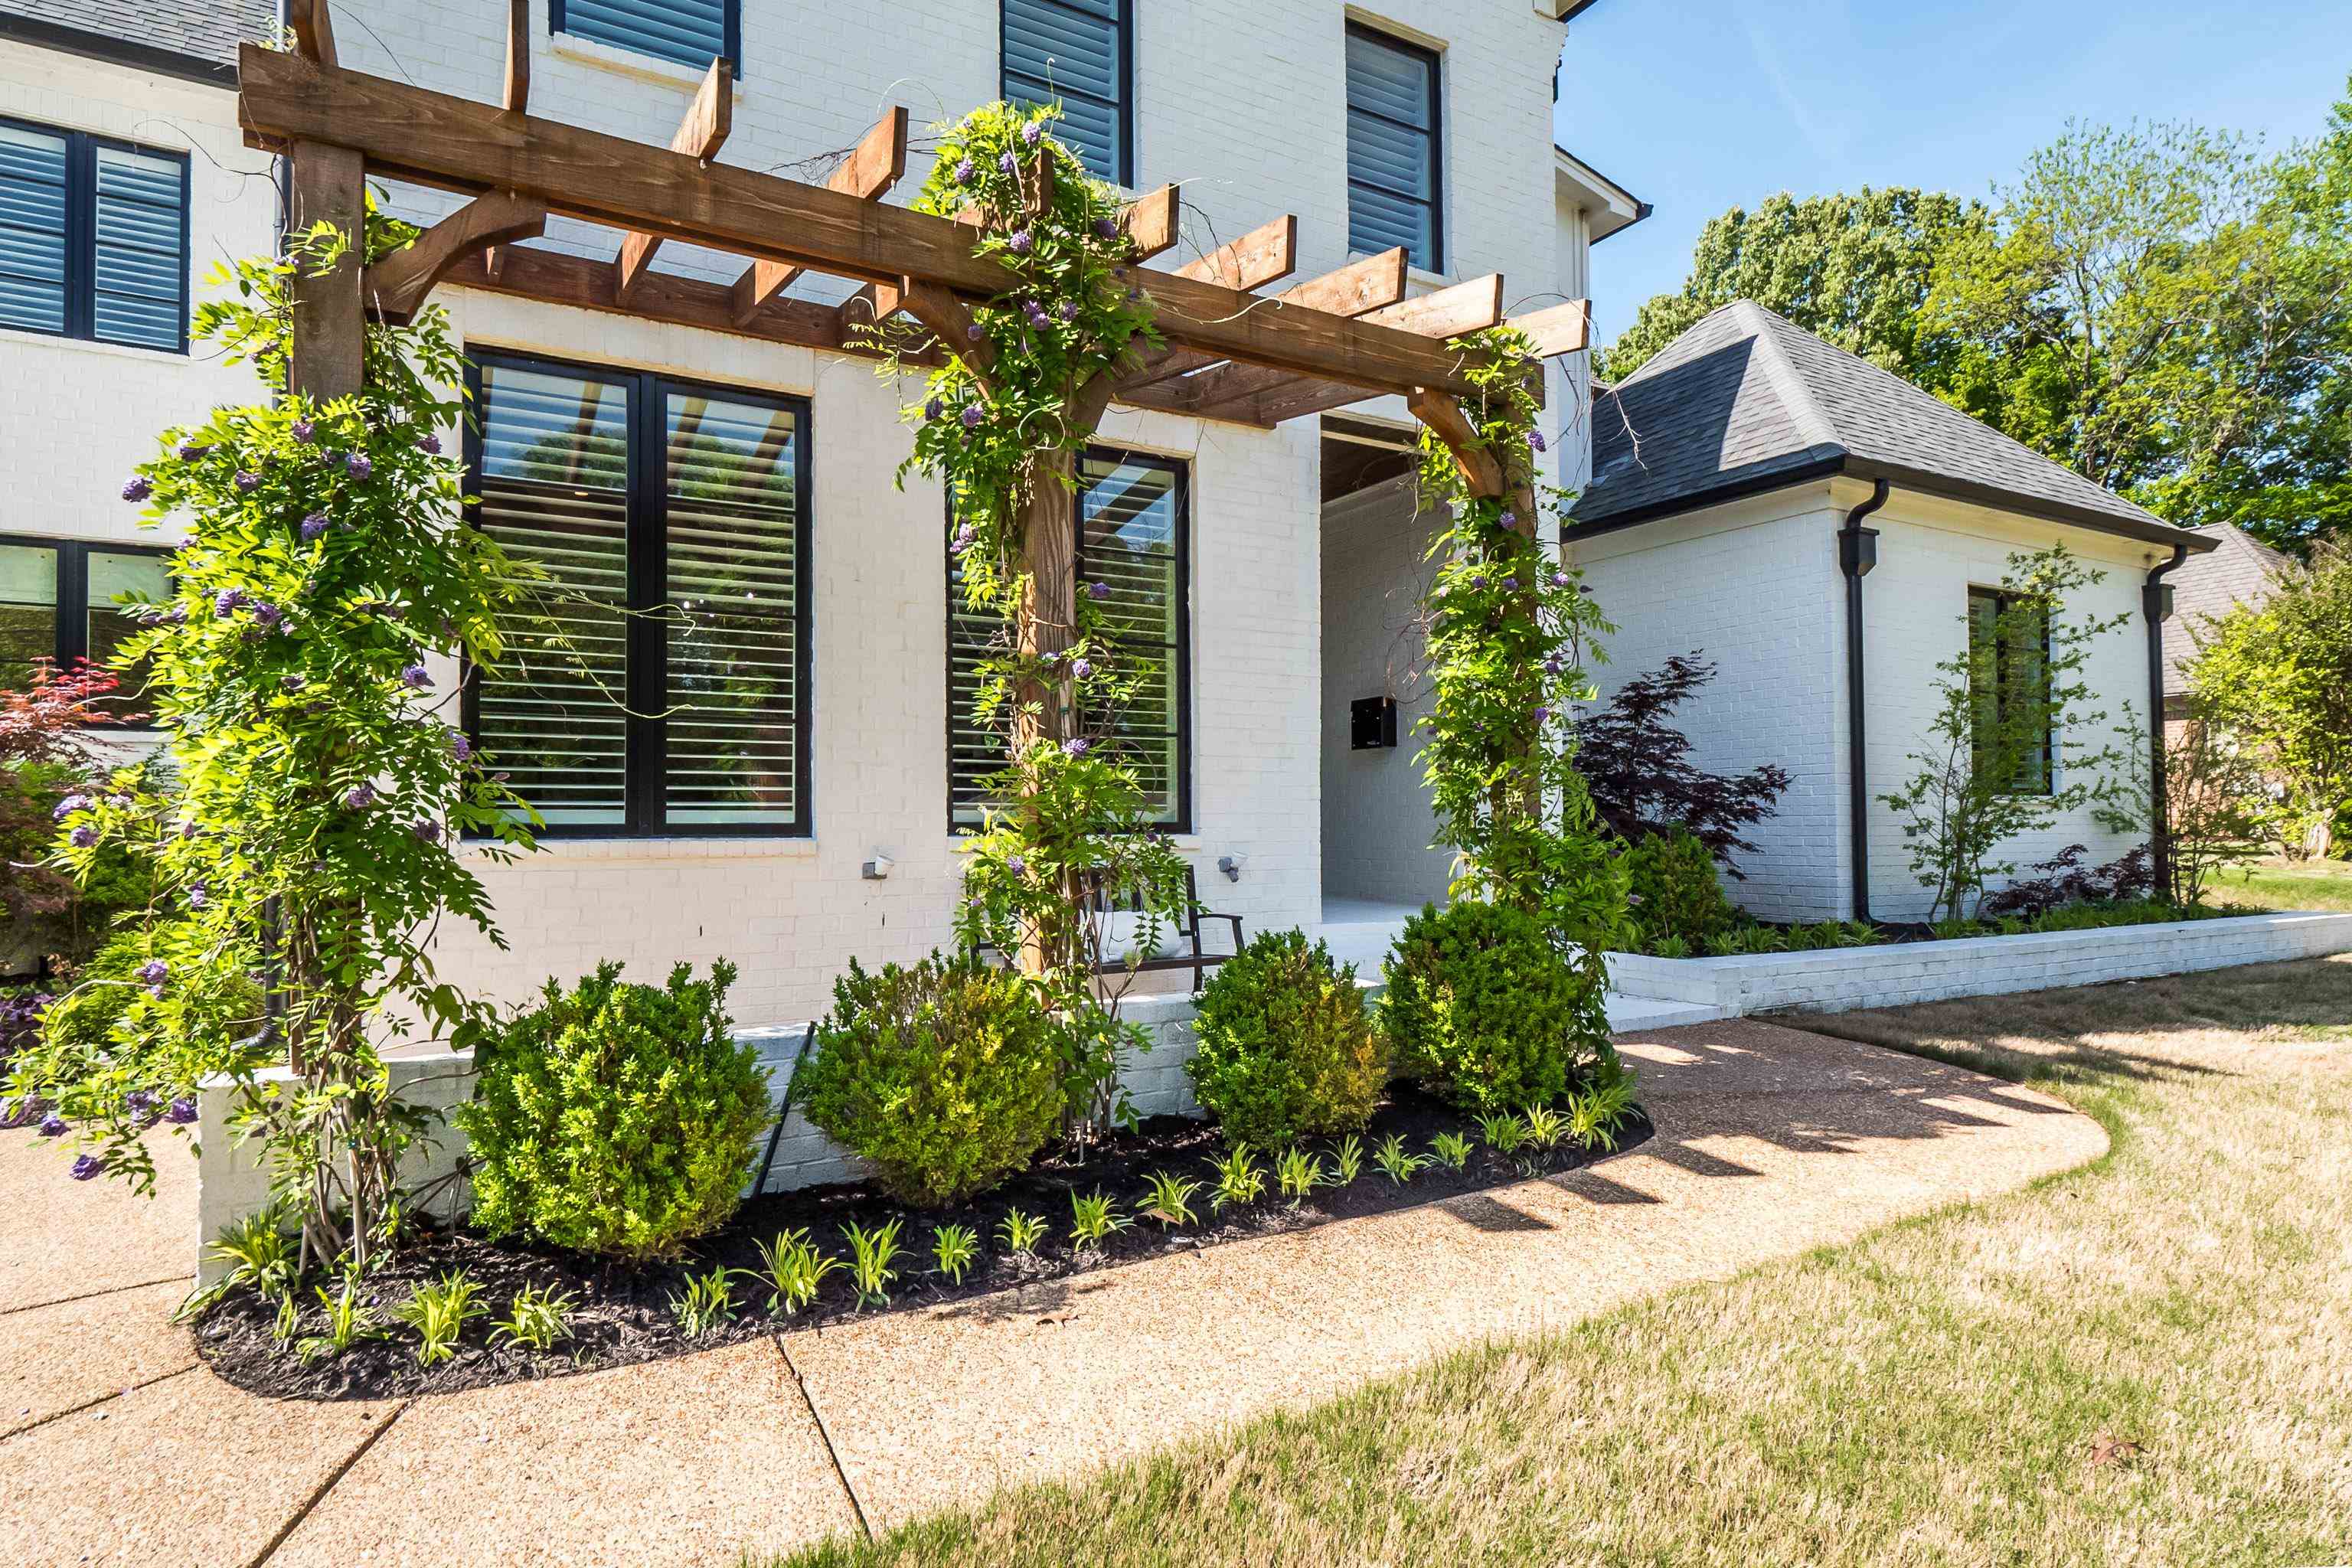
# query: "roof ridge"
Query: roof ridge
1787,380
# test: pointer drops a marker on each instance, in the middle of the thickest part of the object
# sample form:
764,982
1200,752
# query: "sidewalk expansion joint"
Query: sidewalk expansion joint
94,1404
94,1295
319,1495
826,1436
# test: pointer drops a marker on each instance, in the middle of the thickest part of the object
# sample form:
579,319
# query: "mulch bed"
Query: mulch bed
624,1316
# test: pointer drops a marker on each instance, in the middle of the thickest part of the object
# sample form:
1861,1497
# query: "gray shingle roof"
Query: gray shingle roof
1746,399
201,30
2242,570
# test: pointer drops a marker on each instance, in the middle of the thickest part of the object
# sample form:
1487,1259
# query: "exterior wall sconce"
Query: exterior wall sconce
1231,865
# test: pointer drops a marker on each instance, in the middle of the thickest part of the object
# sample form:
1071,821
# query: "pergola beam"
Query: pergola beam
701,132
395,286
878,162
515,96
1357,289
313,29
410,132
1469,307
1266,253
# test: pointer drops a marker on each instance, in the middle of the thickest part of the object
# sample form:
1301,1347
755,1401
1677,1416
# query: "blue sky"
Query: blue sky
1700,105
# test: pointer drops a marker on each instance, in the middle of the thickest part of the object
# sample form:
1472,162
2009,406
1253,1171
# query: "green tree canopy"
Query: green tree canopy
1855,269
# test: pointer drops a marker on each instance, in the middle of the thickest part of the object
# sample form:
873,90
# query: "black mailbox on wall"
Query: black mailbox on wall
1371,724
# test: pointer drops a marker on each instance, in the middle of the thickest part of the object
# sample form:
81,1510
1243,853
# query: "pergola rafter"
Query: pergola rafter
1231,353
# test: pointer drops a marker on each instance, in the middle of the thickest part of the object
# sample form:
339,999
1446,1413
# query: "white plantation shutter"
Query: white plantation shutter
554,479
1073,53
138,272
1392,170
691,32
32,229
1132,540
93,239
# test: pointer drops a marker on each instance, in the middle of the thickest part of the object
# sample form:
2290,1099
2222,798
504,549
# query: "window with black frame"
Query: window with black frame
2008,660
1133,540
1394,185
688,32
93,238
657,679
1078,53
68,600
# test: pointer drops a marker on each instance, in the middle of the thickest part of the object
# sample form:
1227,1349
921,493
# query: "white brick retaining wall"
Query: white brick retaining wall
1837,979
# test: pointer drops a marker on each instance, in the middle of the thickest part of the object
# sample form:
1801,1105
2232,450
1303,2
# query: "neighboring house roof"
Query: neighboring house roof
2242,570
1612,207
193,39
1748,401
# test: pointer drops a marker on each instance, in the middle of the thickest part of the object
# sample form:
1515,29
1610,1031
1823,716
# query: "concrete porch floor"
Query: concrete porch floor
117,1446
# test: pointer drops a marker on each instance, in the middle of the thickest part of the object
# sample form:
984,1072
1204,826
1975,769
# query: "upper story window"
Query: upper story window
1394,195
66,600
93,238
1079,54
1133,538
657,679
690,32
2009,666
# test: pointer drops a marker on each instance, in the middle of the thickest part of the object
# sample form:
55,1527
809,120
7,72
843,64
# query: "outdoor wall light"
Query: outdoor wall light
878,868
1231,865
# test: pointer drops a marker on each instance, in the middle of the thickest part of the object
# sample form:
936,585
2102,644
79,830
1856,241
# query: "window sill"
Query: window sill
1189,843
94,345
628,62
665,851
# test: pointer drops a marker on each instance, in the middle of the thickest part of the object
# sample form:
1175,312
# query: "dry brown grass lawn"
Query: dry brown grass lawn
2146,1361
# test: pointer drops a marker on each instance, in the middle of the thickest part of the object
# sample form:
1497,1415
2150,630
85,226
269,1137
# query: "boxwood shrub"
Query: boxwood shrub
617,1118
1487,1012
1288,1049
949,1076
1676,896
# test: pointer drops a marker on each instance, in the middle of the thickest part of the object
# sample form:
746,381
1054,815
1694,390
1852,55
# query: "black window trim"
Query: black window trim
81,235
71,643
644,803
730,32
1124,108
1435,62
2002,600
1181,822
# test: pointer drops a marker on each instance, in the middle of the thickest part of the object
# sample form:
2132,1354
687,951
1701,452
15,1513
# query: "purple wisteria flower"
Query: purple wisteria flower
305,429
82,837
934,408
1098,592
1017,866
429,444
84,1166
1020,243
1542,714
246,481
1106,228
1553,665
964,539
1509,519
1561,579
313,525
68,806
1068,310
137,489
182,1110
154,972
972,414
1033,131
1535,441
964,171
461,746
427,832
53,1125
360,798
26,1112
1075,746
198,896
227,600
1081,667
357,464
189,830
121,802
1477,582
415,678
139,1103
1010,164
188,451
267,616
1510,582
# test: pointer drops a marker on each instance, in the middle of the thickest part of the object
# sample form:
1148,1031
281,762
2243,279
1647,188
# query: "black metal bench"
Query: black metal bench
1199,961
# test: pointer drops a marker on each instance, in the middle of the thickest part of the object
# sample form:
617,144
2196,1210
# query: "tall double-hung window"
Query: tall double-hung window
2009,661
1395,195
656,681
1133,540
93,238
688,32
67,600
1079,54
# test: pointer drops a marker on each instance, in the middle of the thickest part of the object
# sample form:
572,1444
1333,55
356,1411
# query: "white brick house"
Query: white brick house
1424,122
1726,471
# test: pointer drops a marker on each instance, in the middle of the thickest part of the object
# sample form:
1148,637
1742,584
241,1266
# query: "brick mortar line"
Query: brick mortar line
826,1436
94,1404
319,1494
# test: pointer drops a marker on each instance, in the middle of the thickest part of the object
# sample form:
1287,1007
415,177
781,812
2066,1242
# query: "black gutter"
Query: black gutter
2155,604
1857,553
118,52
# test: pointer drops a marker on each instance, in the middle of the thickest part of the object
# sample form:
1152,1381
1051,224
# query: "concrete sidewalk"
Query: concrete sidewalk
116,1447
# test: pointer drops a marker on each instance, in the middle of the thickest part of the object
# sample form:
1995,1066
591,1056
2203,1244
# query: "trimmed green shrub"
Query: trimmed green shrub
1487,1012
1288,1049
1675,893
615,1119
948,1076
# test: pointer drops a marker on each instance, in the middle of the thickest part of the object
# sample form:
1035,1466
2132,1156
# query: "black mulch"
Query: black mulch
624,1316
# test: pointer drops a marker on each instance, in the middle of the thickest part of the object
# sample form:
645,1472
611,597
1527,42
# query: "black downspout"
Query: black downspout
1857,553
2155,604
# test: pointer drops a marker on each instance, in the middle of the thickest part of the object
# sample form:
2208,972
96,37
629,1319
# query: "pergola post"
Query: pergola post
327,183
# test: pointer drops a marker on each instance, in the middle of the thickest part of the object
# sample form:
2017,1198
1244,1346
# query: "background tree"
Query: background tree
1853,269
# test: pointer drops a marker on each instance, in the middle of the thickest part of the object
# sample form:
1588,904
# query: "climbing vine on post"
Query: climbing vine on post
319,782
1509,627
1012,395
